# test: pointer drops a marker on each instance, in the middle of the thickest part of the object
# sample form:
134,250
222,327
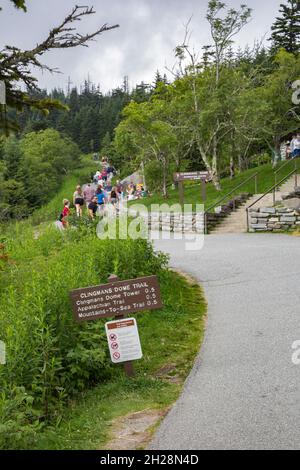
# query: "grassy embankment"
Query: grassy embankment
51,210
59,388
192,192
169,337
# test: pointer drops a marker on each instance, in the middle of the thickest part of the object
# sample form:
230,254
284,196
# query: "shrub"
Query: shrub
50,357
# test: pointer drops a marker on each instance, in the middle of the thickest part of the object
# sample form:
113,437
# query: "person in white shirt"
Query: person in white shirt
296,147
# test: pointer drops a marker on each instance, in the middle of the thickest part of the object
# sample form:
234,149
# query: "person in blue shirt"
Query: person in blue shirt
101,199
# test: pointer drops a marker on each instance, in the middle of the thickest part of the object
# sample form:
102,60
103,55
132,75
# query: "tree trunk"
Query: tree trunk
211,168
215,175
165,188
232,170
277,154
232,156
143,174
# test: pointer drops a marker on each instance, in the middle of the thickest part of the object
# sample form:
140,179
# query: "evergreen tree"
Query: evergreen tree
158,79
286,29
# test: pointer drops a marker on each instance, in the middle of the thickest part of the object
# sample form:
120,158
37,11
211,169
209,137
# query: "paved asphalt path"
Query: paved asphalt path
244,390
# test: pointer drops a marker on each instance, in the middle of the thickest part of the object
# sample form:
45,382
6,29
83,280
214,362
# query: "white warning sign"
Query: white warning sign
123,340
2,353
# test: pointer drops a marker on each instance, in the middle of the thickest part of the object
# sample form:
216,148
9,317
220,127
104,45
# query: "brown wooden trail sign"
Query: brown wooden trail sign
116,299
192,176
203,176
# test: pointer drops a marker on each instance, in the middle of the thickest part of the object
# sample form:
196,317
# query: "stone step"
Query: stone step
236,222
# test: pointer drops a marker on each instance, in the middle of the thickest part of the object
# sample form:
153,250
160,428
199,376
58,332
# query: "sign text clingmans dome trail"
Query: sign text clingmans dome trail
117,298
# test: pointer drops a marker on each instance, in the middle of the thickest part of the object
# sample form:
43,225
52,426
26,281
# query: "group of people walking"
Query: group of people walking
100,195
94,196
97,199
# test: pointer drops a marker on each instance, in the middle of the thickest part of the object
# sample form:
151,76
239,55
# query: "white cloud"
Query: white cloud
149,31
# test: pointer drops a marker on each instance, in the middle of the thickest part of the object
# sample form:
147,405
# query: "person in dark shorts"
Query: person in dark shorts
114,197
93,207
78,201
63,217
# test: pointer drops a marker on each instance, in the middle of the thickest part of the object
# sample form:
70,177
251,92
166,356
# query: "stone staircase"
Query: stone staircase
236,222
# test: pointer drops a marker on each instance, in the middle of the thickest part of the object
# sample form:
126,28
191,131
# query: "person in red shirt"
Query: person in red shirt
65,213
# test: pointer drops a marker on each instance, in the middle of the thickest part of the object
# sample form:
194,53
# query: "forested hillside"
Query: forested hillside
223,108
32,168
90,116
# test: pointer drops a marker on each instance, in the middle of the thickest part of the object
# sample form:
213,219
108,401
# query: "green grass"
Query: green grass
51,210
192,192
169,336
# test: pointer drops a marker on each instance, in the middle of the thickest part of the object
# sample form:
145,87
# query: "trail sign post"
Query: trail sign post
203,176
117,299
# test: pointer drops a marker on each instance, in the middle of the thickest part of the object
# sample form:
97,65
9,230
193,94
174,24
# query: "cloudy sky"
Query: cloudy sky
149,31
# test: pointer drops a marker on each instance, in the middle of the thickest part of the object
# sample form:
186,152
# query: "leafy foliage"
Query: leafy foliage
32,169
219,111
18,4
16,64
286,28
50,357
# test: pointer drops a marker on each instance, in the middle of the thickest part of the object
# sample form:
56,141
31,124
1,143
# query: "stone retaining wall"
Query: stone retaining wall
273,219
187,222
172,222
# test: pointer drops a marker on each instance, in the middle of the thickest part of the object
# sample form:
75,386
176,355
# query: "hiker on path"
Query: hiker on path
88,194
114,198
108,188
296,146
104,162
111,171
93,207
63,218
78,201
139,190
119,188
101,200
97,177
104,175
131,191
